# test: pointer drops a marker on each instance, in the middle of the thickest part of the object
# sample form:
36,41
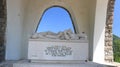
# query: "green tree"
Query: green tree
116,48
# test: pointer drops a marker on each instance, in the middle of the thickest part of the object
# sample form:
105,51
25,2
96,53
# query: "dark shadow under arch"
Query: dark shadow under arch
2,29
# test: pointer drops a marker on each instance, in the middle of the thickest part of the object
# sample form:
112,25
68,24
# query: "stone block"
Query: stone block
57,50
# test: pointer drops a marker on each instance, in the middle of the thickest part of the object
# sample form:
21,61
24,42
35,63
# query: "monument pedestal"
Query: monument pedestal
57,50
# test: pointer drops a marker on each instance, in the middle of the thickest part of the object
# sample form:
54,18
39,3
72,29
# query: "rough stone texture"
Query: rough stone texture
2,28
108,32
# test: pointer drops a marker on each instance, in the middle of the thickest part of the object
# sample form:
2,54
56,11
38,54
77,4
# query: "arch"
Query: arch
61,4
65,12
34,13
116,31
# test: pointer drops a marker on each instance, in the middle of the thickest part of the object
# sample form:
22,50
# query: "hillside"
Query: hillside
116,37
116,48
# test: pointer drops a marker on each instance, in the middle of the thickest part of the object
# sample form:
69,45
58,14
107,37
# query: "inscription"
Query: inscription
60,51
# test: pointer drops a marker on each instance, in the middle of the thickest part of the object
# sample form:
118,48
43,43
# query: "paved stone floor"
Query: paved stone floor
7,63
24,63
117,64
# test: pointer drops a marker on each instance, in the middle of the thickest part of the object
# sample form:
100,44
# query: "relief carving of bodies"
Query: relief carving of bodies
65,35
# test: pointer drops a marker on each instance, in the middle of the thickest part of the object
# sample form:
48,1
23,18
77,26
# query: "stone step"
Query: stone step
26,63
57,64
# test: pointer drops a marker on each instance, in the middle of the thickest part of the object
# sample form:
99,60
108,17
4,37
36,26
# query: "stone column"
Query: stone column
108,32
2,28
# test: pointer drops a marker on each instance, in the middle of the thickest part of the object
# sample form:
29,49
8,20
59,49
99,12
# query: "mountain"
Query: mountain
115,37
116,48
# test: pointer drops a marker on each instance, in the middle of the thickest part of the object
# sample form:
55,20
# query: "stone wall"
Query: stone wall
2,28
108,32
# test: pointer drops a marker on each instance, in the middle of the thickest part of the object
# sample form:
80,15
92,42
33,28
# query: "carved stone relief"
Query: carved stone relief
60,51
65,35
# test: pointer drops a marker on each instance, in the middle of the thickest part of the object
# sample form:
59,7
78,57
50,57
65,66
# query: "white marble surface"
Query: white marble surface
44,64
55,50
26,63
64,35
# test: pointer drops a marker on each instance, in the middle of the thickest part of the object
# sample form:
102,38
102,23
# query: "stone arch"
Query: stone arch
108,32
63,5
74,27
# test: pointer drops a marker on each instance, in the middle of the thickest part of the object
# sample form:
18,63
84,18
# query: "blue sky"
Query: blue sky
116,21
55,19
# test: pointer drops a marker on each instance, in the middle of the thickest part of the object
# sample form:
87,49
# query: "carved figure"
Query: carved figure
65,35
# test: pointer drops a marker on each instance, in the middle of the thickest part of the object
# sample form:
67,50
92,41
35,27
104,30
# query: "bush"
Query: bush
116,48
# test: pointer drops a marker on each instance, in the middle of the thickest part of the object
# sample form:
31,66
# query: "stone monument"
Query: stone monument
59,46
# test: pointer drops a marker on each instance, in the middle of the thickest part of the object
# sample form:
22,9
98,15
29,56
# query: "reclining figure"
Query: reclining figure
65,35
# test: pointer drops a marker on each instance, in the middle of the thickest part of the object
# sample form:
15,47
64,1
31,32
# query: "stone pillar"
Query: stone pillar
2,28
108,32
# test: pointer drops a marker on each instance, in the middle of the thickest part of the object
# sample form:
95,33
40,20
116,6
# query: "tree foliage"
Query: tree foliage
116,48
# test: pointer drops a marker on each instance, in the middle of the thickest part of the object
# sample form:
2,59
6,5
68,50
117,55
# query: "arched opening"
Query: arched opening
55,19
112,32
116,31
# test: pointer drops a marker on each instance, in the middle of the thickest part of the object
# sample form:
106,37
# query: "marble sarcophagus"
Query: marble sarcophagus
61,46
